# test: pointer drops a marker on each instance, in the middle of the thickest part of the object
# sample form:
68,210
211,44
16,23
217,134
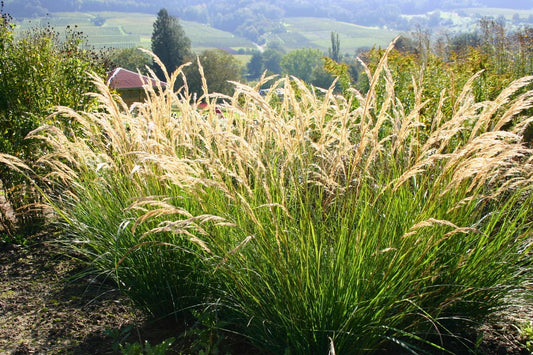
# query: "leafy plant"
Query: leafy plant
146,349
39,71
118,335
208,331
526,332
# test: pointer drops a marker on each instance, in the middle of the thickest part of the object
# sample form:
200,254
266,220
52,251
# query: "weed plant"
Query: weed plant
319,222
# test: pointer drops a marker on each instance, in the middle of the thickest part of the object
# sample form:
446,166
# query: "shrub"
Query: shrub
38,71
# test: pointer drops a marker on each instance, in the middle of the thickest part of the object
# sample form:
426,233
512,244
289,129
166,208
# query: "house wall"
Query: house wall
131,96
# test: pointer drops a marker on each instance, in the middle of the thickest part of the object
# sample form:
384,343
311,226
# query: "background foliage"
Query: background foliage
219,68
38,71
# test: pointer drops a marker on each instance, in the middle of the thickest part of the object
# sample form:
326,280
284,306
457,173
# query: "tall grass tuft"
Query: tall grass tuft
100,187
318,221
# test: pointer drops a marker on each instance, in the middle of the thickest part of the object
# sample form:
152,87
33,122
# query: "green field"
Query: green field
135,29
316,32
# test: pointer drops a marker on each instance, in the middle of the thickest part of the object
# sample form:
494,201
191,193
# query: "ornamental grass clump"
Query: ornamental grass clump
318,222
100,184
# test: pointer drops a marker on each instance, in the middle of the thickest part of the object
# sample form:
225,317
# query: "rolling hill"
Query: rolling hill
124,29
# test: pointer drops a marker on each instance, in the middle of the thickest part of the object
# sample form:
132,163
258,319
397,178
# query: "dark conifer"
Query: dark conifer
169,42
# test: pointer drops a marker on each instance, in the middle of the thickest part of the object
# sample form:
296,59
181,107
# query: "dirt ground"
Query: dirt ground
47,308
45,311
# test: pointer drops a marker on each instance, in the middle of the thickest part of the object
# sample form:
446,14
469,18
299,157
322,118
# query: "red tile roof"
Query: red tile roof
121,78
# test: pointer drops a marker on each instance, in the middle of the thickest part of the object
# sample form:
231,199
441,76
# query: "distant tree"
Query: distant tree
302,62
461,43
405,44
320,77
271,60
276,45
255,66
98,20
251,30
196,13
334,50
267,9
169,42
219,68
130,58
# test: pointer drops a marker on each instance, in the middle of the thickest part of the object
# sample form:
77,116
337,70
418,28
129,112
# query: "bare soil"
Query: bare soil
46,307
50,304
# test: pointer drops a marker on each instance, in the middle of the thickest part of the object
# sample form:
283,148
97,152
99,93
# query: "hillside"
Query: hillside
259,20
122,29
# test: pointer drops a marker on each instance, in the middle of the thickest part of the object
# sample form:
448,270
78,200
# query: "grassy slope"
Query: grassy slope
135,29
315,32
